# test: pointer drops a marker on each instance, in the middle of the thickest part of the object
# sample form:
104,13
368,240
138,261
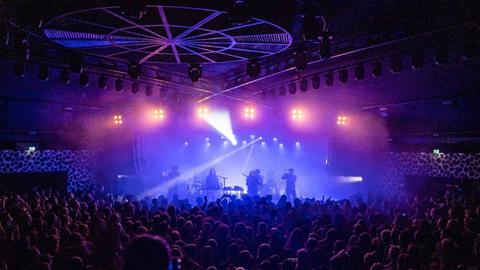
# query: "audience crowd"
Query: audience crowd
45,230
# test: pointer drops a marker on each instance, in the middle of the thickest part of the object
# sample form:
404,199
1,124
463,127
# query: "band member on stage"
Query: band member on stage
290,178
254,179
212,182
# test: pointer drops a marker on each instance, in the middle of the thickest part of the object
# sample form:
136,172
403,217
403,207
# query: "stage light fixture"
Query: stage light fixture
280,145
117,119
395,64
76,63
263,143
83,79
329,79
244,142
297,114
377,69
249,113
207,139
225,143
148,90
65,76
194,72
159,114
186,143
134,9
303,85
326,46
43,73
252,137
300,60
202,112
292,88
253,68
342,120
119,85
19,69
135,88
134,70
417,60
297,144
442,56
316,82
102,82
240,12
359,73
343,75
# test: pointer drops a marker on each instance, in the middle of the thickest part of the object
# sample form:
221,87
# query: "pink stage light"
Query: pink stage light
342,120
117,119
159,114
249,113
298,115
202,112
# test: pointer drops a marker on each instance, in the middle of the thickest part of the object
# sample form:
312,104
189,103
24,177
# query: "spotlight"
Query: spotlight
396,64
202,112
194,72
102,82
292,88
326,46
244,142
117,119
282,91
359,73
303,85
300,59
252,137
253,68
19,69
65,76
148,90
134,87
83,79
134,9
297,115
417,60
43,73
159,114
76,63
280,145
343,75
297,144
316,82
377,69
240,12
186,143
134,70
207,144
442,56
225,143
119,85
329,79
207,139
249,113
263,143
342,120
275,139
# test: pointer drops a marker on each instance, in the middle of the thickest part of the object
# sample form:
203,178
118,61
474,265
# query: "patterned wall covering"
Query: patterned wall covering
455,165
79,165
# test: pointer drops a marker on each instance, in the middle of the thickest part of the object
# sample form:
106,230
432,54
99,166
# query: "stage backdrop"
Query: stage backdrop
155,155
78,165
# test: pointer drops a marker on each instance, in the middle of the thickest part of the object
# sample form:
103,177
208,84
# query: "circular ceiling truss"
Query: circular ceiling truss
166,34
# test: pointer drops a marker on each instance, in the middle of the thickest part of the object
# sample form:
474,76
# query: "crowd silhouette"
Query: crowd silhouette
45,230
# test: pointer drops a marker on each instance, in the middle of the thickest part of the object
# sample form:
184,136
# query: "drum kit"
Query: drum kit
199,187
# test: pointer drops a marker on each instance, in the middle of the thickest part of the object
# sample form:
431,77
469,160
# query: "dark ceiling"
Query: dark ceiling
436,98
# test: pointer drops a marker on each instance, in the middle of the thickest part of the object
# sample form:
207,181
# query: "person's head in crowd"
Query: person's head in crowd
147,252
